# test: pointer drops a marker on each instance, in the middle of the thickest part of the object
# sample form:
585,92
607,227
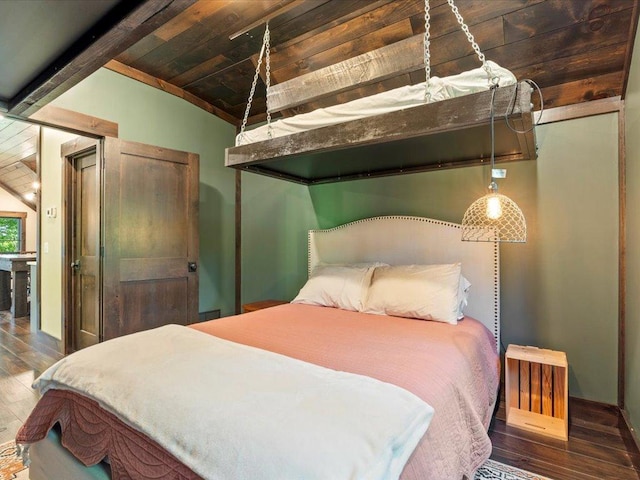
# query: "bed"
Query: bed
452,368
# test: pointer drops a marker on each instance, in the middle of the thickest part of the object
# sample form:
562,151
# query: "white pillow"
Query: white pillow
428,292
463,296
339,286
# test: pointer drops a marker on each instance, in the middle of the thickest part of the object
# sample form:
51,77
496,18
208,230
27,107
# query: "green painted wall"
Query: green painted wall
276,216
632,351
148,115
559,290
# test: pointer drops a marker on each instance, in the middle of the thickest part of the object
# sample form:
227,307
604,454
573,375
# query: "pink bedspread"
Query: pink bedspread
454,368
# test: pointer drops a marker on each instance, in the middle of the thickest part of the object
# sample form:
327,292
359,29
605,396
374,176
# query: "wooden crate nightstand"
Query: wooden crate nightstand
536,390
253,306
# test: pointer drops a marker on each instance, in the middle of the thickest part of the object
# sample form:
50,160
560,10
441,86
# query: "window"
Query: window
12,235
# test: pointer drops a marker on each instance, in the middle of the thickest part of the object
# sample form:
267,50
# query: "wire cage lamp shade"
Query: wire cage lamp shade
494,218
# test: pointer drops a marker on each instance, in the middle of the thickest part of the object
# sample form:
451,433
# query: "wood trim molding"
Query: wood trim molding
68,152
93,49
238,234
632,34
622,255
154,82
587,109
57,117
22,216
579,110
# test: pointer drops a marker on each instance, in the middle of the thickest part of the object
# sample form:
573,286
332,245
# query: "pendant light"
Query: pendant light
494,217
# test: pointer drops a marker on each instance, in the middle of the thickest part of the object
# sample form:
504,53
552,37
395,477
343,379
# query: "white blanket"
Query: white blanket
230,411
471,81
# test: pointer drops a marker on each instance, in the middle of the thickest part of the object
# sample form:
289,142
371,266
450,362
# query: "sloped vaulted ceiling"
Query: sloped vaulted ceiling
205,51
576,50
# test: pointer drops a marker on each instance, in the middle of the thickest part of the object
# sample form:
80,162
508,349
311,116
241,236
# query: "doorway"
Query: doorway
81,240
18,216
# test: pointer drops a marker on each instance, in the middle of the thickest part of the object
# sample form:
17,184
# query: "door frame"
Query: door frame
72,122
70,151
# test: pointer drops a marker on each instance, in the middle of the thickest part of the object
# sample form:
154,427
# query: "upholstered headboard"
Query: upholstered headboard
404,240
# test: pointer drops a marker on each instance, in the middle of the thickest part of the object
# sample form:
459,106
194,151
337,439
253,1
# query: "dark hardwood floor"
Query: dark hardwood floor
23,356
600,446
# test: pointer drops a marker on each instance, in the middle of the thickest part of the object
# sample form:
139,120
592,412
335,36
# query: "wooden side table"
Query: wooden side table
536,390
253,306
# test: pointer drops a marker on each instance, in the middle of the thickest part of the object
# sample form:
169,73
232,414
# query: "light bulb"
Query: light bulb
494,207
30,196
35,185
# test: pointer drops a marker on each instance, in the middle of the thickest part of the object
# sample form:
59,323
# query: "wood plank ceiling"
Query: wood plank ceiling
205,51
576,50
18,152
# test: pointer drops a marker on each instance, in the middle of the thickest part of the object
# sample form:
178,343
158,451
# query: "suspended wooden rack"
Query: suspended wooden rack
432,136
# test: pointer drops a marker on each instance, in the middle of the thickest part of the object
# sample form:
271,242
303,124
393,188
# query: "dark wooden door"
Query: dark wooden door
81,238
150,237
85,266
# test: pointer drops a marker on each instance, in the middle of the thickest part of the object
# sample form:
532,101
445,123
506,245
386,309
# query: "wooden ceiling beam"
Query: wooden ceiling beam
94,49
400,57
57,117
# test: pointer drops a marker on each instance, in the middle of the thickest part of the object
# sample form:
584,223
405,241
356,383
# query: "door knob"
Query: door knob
75,265
193,266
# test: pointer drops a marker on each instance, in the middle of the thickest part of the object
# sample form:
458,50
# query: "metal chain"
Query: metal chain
427,53
493,79
265,43
267,46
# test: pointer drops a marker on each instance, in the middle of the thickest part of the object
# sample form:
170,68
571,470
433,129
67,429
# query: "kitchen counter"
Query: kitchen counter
13,266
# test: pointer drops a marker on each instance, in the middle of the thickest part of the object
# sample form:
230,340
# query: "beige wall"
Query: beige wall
51,231
9,203
632,117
